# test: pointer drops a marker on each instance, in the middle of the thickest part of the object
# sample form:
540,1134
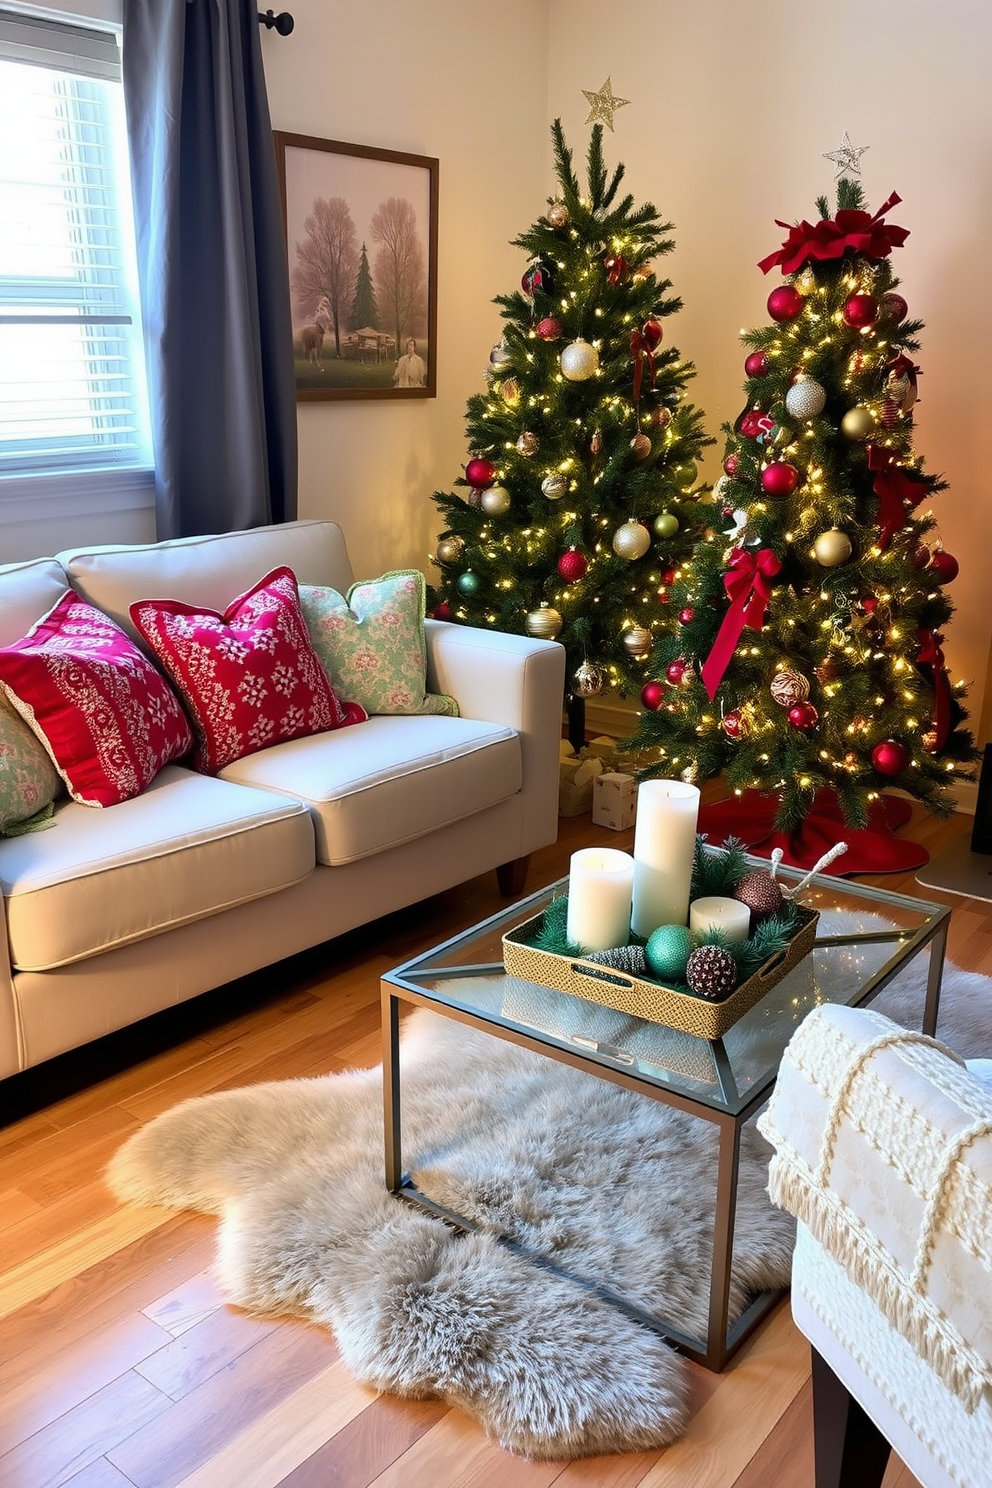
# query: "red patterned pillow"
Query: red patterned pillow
103,712
250,677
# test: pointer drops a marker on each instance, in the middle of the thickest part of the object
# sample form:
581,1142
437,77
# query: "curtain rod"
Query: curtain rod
283,23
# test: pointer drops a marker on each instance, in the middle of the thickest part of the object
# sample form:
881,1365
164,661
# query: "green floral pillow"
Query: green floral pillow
371,643
29,782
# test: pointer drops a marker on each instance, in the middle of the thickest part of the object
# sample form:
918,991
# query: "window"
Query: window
72,385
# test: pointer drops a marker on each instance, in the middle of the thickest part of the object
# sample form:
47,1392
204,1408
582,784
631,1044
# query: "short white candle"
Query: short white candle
729,916
600,886
664,844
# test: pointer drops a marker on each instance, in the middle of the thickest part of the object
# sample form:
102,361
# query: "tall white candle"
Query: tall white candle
664,844
729,916
600,886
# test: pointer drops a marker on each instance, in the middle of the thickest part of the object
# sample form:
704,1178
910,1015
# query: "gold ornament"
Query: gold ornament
805,282
828,670
858,423
603,104
631,541
690,774
528,444
579,361
510,392
637,641
596,443
640,446
688,677
450,549
495,501
930,741
788,688
642,274
555,486
544,623
588,680
558,214
660,417
832,548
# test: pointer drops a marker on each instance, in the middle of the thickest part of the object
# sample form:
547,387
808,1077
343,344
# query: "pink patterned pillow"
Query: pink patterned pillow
249,678
103,712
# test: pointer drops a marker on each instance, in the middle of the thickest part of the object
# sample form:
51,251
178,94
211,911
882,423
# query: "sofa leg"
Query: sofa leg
511,877
849,1450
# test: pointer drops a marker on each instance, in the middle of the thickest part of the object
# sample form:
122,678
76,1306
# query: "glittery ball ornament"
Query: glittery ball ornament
480,472
666,524
730,465
860,311
495,501
549,329
558,214
805,398
890,757
653,695
554,487
573,566
579,361
760,892
632,540
450,549
893,306
858,423
687,615
785,303
640,446
805,281
832,547
756,364
528,443
803,716
544,623
637,642
468,584
667,952
661,417
788,687
588,680
711,972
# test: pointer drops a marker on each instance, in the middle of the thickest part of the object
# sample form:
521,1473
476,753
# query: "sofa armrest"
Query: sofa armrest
10,1056
516,681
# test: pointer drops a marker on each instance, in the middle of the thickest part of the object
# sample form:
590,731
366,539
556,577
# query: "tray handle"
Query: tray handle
612,978
772,965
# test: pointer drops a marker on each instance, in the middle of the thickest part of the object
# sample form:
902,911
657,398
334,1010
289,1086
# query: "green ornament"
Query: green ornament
666,524
687,473
667,951
468,583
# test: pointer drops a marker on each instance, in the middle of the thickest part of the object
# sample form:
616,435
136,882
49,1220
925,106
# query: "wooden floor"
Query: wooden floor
119,1365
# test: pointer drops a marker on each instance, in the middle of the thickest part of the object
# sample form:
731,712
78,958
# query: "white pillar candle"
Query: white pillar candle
729,916
600,886
664,844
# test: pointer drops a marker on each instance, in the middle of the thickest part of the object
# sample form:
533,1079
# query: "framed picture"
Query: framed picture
361,234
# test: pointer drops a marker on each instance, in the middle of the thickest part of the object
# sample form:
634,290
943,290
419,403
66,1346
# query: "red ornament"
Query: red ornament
890,757
803,716
920,557
894,306
869,604
652,331
537,279
573,566
441,611
480,473
730,465
733,725
653,695
549,329
756,365
616,268
785,303
780,478
755,424
860,311
686,617
676,670
944,566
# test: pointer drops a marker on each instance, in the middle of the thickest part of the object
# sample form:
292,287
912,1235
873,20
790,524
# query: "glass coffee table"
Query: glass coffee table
865,936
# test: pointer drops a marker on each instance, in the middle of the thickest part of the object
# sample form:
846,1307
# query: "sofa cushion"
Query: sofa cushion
27,591
249,677
106,716
29,781
186,848
392,780
371,643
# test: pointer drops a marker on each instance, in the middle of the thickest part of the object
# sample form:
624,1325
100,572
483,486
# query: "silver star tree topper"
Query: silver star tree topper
846,157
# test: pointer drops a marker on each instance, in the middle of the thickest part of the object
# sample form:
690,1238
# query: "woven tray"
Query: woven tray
652,1001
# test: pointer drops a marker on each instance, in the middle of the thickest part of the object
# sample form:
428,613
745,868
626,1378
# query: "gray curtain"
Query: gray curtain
212,266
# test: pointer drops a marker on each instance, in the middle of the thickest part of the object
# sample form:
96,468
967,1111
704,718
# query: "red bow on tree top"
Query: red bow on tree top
852,231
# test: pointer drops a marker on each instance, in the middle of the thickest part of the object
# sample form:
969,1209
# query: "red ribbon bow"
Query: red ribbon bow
852,231
932,656
896,490
747,582
643,344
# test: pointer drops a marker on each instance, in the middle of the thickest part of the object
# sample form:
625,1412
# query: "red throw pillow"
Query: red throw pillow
250,677
108,719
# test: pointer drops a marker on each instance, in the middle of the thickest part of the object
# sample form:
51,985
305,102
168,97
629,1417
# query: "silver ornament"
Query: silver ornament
555,487
558,214
805,398
632,540
500,354
637,641
495,501
587,681
450,549
544,623
579,361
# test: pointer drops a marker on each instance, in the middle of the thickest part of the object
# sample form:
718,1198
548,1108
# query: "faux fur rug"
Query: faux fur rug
600,1181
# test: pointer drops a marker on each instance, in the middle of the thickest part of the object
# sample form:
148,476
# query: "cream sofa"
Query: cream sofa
117,913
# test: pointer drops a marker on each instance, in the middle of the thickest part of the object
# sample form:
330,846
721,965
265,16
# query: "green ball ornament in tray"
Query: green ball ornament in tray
538,951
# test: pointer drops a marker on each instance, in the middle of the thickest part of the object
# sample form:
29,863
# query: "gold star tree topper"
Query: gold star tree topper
846,158
603,105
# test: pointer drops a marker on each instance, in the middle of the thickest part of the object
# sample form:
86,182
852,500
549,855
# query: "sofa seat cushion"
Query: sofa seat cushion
390,781
188,847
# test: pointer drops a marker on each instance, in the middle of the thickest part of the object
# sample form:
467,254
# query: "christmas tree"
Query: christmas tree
581,495
810,659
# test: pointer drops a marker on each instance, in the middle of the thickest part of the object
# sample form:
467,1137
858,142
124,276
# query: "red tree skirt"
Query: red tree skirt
872,849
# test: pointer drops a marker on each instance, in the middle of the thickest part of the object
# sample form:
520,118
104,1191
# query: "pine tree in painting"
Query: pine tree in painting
364,310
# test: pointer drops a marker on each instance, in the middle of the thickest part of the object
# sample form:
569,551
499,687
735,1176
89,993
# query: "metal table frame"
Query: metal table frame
723,1337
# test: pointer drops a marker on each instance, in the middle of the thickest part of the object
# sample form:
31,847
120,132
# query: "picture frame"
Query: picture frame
361,238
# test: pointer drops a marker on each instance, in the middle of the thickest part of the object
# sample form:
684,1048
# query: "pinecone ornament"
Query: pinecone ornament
711,972
628,958
760,892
